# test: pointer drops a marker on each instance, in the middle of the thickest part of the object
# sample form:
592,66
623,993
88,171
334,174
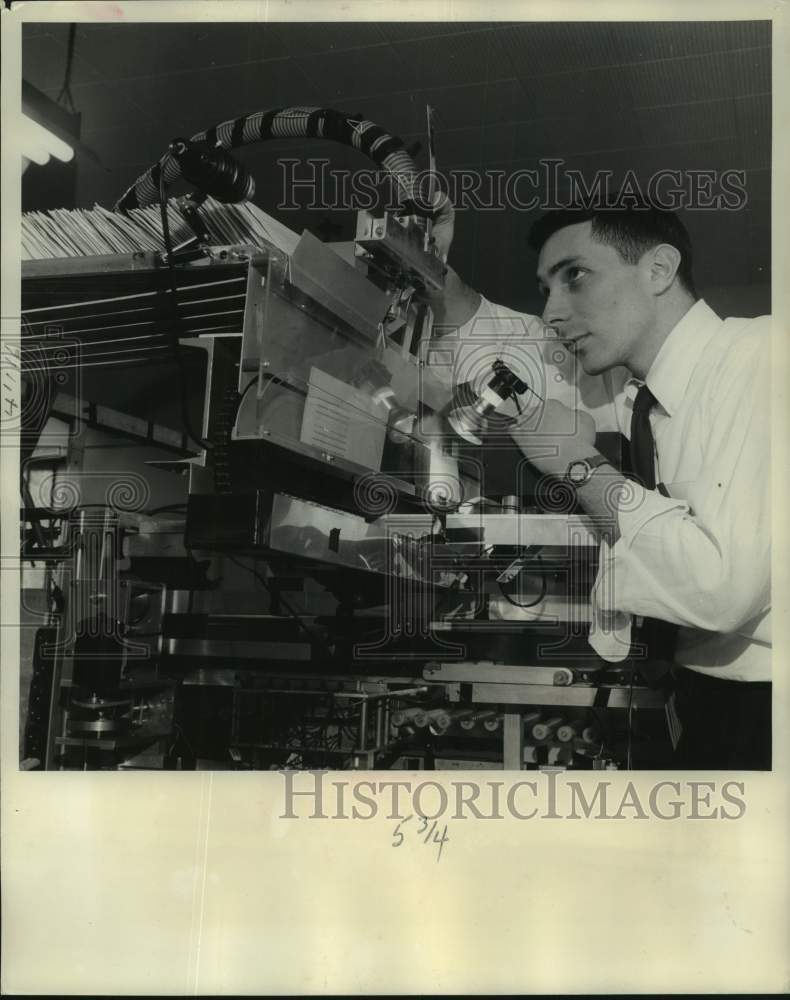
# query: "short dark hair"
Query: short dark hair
631,231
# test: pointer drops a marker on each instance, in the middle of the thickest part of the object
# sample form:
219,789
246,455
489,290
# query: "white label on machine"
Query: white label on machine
343,421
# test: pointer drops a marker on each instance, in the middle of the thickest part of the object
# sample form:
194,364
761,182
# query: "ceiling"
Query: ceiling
638,96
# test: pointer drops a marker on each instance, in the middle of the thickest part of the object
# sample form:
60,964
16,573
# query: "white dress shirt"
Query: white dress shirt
699,558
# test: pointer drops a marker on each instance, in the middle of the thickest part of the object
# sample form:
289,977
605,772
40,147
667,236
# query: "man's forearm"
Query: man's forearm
600,495
456,304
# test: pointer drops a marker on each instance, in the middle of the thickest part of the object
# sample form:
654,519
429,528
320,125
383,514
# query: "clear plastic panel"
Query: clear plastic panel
328,389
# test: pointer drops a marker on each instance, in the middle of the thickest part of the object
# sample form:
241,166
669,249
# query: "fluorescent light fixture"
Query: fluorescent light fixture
38,143
46,129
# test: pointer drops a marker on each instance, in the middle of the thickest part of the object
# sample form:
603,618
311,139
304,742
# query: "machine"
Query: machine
342,582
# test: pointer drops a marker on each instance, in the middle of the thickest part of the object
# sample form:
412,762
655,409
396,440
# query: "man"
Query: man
689,542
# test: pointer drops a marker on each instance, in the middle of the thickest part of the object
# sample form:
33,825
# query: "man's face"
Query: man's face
600,305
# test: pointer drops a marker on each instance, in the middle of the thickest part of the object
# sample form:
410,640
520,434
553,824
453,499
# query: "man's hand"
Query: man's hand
443,224
456,303
560,437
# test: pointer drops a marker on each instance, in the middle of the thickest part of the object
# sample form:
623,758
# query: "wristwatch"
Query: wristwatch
579,471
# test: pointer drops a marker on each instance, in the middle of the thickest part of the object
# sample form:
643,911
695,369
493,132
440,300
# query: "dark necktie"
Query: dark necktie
642,464
658,636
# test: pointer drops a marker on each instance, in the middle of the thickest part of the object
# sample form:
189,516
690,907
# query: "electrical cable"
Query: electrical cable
65,90
386,150
182,735
538,599
244,392
213,171
175,342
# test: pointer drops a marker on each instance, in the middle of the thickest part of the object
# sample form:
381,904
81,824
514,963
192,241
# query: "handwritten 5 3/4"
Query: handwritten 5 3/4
426,830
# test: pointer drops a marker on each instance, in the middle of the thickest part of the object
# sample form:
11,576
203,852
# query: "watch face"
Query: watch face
578,472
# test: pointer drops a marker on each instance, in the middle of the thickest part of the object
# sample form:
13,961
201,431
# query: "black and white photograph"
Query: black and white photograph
390,395
429,428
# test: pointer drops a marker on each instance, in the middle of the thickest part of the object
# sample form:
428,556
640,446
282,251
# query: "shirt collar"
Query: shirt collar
670,373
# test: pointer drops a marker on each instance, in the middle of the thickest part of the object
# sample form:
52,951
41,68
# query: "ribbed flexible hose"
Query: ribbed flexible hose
308,123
